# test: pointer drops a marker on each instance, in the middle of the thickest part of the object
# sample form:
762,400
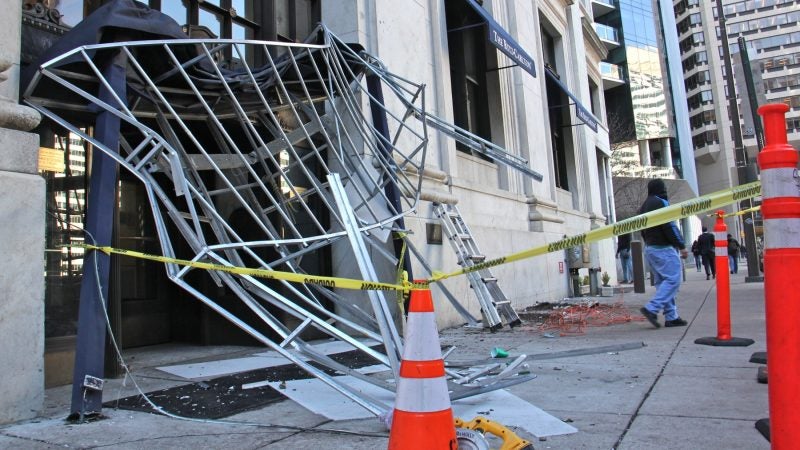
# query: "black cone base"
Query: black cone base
762,375
759,358
732,342
762,425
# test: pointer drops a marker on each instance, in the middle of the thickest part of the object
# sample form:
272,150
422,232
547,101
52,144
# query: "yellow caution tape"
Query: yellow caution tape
331,282
637,223
740,213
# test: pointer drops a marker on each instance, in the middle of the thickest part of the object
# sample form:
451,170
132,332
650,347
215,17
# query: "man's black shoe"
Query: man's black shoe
708,277
651,317
675,323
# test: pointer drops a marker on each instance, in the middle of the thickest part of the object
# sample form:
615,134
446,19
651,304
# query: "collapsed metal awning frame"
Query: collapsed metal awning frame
287,147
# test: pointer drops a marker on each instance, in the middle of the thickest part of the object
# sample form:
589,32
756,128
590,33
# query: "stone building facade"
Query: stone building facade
550,113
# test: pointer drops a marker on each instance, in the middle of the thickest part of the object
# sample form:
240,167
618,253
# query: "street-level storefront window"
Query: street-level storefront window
63,165
144,306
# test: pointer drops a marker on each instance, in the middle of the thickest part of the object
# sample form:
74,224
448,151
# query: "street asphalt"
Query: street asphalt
669,394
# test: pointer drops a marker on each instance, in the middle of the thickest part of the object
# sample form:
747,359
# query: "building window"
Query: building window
271,20
693,20
468,54
702,119
683,5
66,192
694,60
705,138
698,79
701,98
558,106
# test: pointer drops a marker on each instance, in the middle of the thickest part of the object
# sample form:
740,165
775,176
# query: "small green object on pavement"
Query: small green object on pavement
499,352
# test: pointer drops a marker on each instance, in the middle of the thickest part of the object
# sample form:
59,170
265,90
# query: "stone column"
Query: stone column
22,227
644,152
667,150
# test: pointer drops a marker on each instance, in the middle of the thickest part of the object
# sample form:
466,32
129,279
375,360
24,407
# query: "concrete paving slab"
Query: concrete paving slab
704,397
314,439
281,413
691,354
597,431
734,373
135,430
723,397
604,389
681,433
13,443
212,369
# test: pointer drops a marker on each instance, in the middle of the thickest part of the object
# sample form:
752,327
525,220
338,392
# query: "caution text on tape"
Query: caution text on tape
630,225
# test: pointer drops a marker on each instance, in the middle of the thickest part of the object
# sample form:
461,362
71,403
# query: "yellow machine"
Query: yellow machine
471,435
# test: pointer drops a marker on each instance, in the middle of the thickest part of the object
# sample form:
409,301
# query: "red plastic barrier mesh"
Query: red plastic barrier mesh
573,320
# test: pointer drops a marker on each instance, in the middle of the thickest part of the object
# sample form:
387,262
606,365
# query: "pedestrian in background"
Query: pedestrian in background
733,254
663,244
696,254
624,255
706,244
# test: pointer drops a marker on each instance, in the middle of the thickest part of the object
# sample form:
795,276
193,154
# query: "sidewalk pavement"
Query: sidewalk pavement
671,394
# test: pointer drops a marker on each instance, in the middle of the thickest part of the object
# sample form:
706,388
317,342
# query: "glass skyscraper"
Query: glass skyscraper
641,109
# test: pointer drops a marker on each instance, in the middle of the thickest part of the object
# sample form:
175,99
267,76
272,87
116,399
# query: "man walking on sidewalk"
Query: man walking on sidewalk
733,254
663,243
624,255
706,244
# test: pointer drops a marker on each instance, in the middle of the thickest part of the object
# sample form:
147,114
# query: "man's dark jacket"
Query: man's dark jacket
666,235
706,243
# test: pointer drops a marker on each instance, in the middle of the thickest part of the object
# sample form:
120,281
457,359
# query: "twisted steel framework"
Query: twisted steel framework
241,165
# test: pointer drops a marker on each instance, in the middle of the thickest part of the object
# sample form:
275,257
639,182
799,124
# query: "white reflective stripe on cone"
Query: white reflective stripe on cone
782,233
721,235
779,183
422,395
721,251
422,338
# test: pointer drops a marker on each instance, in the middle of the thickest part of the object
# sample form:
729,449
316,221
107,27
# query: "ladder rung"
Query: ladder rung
504,302
488,279
463,236
477,258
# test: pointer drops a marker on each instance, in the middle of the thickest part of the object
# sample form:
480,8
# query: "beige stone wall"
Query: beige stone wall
22,200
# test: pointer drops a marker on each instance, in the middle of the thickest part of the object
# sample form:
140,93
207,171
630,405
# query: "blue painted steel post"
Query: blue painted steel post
91,340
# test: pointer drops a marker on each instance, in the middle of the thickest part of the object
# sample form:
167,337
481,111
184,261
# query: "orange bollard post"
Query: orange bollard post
422,416
723,338
780,209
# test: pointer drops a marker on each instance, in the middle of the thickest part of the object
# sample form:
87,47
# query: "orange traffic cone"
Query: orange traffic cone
422,415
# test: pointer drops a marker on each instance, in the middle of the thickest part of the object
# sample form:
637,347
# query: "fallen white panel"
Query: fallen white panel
377,368
506,408
263,360
499,406
328,347
321,399
211,369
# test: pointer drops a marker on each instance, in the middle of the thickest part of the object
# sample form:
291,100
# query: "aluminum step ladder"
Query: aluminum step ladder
491,298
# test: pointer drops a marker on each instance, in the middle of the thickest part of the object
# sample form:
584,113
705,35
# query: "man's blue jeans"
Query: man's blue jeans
627,265
666,266
733,263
